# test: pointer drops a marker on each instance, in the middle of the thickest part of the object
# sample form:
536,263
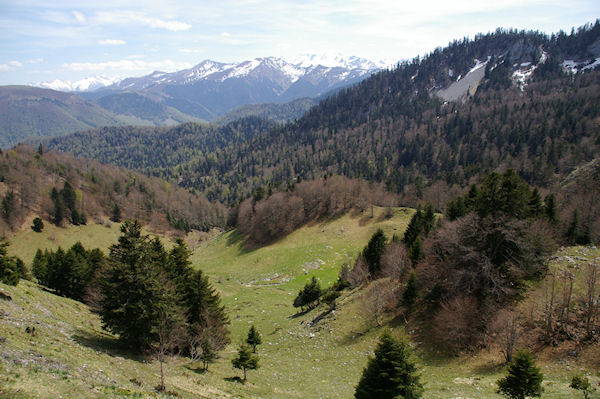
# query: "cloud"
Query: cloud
111,42
35,61
188,50
127,65
10,66
79,17
128,17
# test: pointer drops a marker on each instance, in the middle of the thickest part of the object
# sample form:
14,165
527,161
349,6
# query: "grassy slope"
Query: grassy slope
297,360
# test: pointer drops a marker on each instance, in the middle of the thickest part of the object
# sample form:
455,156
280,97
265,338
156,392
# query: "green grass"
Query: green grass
71,356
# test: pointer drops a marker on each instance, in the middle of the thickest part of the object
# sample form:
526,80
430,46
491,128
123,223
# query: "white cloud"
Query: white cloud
111,42
127,65
35,61
79,17
225,34
128,17
10,66
188,50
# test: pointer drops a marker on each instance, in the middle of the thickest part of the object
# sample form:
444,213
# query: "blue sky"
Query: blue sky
66,39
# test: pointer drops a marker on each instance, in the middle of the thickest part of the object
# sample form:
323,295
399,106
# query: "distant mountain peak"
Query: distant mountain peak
88,84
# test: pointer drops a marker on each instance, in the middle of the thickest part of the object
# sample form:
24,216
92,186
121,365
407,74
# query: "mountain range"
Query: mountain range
510,98
203,93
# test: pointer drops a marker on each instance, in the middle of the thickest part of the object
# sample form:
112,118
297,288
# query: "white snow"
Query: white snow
87,84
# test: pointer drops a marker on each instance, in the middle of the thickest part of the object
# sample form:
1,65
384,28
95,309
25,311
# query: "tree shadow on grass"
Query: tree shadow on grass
106,343
237,379
196,369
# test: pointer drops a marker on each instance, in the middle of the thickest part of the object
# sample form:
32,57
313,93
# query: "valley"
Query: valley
71,355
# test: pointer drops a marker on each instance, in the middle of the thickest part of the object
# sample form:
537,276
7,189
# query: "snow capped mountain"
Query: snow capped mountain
87,84
285,72
332,59
211,89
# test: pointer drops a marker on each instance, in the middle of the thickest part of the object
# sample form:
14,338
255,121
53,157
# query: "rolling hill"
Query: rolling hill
28,111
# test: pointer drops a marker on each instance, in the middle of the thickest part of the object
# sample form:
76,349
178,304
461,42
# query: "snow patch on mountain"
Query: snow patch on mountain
573,67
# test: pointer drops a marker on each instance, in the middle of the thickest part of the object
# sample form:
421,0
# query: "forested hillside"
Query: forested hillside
63,190
393,128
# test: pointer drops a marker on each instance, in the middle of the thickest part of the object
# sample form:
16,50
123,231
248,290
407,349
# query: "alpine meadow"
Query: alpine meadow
298,227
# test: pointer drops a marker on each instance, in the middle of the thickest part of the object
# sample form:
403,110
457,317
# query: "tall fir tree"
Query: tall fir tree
374,250
245,360
392,373
253,338
523,378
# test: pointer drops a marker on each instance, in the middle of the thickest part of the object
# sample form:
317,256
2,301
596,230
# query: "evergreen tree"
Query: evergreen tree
415,252
428,219
523,380
309,294
414,228
131,288
392,373
207,354
409,295
374,250
11,268
573,232
245,360
550,208
115,214
536,208
59,207
38,225
254,338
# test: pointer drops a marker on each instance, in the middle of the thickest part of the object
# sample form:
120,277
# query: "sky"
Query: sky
73,39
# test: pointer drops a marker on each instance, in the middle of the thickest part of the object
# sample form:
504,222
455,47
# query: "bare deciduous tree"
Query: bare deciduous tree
378,299
394,261
592,299
507,327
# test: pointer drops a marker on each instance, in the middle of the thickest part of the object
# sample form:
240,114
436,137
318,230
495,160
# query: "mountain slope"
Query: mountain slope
28,178
394,128
28,111
312,355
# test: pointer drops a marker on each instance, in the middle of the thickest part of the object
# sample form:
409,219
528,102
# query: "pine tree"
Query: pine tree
254,338
415,252
573,232
392,373
524,378
536,208
115,214
410,292
10,267
131,289
550,208
38,225
245,360
374,250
